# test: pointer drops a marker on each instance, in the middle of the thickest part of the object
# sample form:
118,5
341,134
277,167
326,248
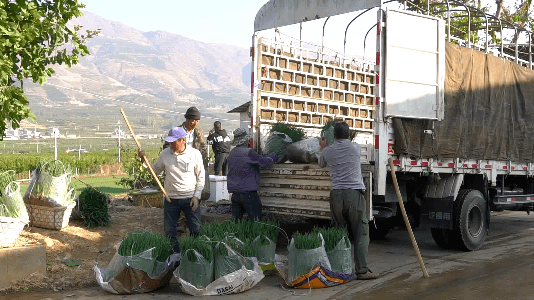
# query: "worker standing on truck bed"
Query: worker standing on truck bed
347,202
243,178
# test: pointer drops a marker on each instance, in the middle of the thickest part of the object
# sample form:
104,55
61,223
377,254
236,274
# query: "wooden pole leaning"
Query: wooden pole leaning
144,158
405,217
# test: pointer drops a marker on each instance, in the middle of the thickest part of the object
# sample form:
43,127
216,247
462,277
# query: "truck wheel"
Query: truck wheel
443,237
470,220
379,228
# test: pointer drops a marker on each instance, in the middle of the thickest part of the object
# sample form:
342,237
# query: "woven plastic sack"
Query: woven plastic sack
236,282
318,277
277,143
341,257
138,273
198,273
11,203
304,151
303,261
265,253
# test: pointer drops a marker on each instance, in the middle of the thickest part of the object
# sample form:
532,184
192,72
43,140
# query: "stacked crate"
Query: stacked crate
307,88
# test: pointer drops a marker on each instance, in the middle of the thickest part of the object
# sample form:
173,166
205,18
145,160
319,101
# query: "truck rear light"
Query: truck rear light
424,164
464,165
376,141
252,83
397,162
474,166
378,60
487,166
505,167
451,165
413,162
440,164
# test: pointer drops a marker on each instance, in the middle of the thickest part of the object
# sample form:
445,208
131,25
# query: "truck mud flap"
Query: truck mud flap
440,212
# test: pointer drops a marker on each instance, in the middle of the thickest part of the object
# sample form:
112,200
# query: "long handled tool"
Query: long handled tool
405,217
144,158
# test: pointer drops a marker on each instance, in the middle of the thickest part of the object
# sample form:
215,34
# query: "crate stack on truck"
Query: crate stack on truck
452,117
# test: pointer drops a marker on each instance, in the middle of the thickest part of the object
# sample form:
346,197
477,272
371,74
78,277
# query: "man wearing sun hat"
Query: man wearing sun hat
243,179
184,181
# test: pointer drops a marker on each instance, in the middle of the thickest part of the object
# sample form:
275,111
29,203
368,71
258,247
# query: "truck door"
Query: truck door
414,66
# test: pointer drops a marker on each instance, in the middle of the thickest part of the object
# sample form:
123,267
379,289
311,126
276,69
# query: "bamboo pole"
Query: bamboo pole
144,158
405,217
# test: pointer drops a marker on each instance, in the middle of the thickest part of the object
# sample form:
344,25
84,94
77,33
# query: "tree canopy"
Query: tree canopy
35,36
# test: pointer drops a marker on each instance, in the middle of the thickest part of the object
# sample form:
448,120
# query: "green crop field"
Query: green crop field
106,184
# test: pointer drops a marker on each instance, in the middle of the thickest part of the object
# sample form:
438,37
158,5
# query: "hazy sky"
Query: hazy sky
213,21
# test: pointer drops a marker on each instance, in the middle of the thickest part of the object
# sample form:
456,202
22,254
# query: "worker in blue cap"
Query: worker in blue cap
184,181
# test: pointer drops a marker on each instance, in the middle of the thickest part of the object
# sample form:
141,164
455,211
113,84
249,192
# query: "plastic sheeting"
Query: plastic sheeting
488,112
138,273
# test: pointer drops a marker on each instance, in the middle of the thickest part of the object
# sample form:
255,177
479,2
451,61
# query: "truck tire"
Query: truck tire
469,220
379,228
443,238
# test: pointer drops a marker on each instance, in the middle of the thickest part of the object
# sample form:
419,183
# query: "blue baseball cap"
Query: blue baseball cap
175,133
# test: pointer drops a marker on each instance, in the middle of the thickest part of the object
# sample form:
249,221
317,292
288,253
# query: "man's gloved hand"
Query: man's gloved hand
141,153
194,203
273,156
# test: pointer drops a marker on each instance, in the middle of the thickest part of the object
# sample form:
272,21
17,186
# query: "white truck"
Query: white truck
455,115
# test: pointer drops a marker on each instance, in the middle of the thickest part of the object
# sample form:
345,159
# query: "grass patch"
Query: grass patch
105,184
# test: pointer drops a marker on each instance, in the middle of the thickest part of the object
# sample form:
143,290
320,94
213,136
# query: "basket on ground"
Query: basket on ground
49,217
147,198
10,229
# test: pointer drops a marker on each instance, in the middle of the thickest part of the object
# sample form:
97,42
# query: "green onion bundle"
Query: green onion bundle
6,178
252,229
137,242
55,168
306,241
248,249
94,207
217,231
332,236
201,245
296,134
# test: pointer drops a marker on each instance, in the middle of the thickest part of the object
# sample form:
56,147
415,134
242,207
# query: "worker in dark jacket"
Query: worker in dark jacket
220,143
243,178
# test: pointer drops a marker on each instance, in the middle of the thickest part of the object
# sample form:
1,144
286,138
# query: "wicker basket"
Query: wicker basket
151,198
49,217
10,229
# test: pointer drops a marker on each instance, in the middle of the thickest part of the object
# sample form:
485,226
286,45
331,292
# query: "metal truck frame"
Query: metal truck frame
309,87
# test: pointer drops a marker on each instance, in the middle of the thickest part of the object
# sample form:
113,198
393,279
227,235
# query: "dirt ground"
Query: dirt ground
76,242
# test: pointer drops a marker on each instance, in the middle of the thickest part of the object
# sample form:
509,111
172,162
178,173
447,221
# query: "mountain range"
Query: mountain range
142,72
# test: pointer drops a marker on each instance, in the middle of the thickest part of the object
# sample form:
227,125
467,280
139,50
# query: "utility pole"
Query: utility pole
56,132
119,132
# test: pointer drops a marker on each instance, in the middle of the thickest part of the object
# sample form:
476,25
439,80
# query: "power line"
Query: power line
130,103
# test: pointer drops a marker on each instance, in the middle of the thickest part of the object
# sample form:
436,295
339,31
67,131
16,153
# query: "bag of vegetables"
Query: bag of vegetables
196,266
50,185
338,250
11,203
305,253
143,263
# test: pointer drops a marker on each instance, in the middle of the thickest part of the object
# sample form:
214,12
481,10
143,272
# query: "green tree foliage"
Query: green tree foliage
34,36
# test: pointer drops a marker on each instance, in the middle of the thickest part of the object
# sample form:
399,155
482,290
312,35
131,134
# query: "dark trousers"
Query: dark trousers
171,211
348,210
246,202
221,164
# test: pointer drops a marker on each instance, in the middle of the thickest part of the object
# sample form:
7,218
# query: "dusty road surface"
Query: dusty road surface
502,269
